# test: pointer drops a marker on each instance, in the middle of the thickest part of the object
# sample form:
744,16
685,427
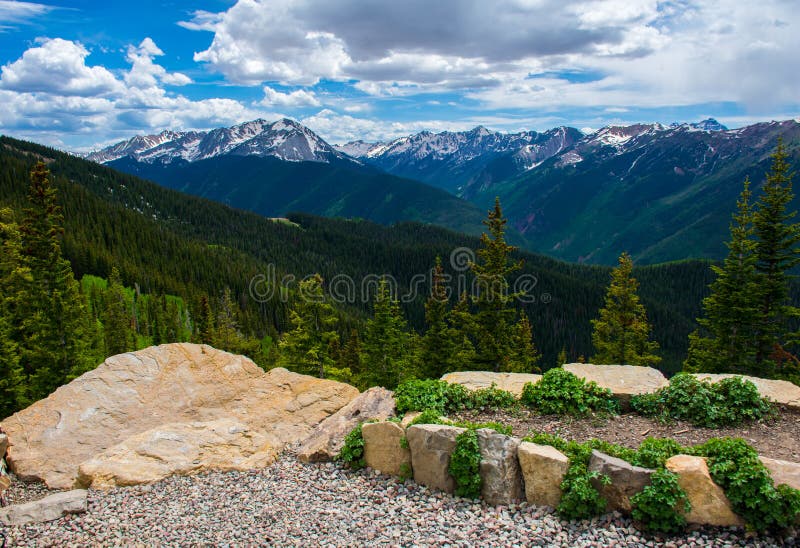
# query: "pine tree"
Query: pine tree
726,341
462,322
204,330
13,278
562,357
777,239
387,345
494,314
57,332
117,333
307,347
350,355
524,356
227,334
438,346
621,334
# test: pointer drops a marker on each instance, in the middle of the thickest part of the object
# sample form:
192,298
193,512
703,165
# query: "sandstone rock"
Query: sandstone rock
624,381
3,445
543,468
782,392
626,480
180,448
408,417
135,392
46,509
710,506
431,446
327,438
383,449
783,472
512,382
501,476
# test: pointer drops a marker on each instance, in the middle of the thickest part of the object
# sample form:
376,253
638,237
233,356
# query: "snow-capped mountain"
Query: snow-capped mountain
284,139
452,160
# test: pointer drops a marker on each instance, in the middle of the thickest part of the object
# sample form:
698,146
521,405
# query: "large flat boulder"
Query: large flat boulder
327,439
474,380
626,480
782,392
543,469
624,381
178,448
135,392
47,509
431,446
709,505
383,448
783,472
501,476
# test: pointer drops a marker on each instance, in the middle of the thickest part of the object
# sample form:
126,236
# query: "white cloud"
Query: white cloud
145,73
57,66
20,12
294,99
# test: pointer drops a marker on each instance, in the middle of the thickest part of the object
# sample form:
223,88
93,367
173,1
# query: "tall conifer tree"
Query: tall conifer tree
387,345
116,319
438,346
621,335
524,355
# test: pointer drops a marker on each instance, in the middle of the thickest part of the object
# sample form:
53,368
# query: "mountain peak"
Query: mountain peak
284,139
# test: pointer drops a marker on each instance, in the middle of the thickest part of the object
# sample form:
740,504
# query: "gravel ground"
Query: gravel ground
294,504
778,438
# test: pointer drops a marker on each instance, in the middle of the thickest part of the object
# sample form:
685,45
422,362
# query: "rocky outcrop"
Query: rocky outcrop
501,477
46,509
383,448
431,446
709,505
624,381
136,392
327,438
543,469
179,448
781,392
626,480
783,472
3,445
474,380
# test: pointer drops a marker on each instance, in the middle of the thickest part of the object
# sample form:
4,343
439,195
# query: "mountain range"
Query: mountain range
660,192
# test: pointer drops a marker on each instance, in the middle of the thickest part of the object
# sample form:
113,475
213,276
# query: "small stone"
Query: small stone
47,509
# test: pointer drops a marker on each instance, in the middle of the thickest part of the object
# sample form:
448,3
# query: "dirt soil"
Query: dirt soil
778,438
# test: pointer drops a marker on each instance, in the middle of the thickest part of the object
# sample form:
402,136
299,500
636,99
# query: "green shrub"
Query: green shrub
561,392
728,402
735,466
352,453
654,452
465,465
661,505
418,395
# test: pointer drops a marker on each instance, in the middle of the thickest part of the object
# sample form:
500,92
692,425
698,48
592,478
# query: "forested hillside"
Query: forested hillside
167,242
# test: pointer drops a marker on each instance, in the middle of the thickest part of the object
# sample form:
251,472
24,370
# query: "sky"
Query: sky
84,74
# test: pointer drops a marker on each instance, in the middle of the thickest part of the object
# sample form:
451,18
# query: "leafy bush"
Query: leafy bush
728,402
661,505
352,453
465,465
561,392
419,395
735,466
654,452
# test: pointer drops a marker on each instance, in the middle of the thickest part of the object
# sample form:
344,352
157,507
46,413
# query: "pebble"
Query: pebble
296,504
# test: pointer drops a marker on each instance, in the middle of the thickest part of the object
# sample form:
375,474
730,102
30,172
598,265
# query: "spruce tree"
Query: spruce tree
117,333
777,252
438,346
524,356
13,278
350,355
56,332
386,349
621,334
494,316
307,347
726,341
204,330
462,322
227,334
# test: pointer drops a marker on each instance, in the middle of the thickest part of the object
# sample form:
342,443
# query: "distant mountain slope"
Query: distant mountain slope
273,187
453,160
662,193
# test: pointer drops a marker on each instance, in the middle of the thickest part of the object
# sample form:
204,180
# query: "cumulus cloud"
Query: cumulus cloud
51,91
297,98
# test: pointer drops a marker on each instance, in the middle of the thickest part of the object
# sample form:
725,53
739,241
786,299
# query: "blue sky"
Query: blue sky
81,74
